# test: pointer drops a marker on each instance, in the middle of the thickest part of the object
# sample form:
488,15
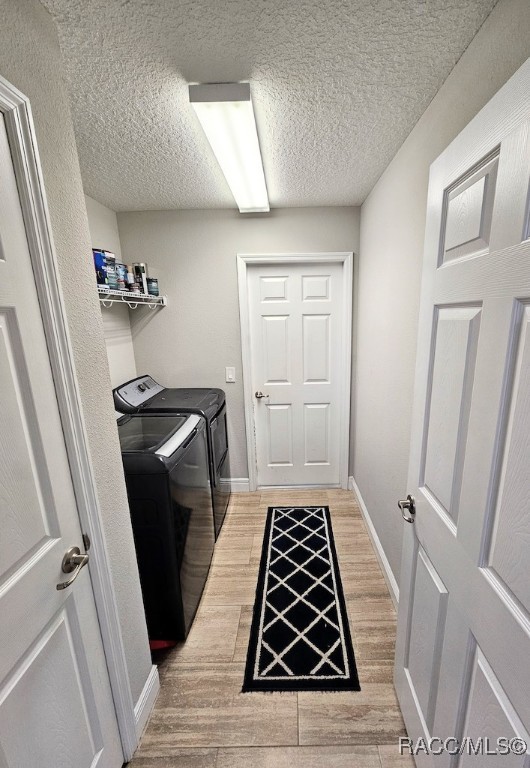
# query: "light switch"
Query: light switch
230,375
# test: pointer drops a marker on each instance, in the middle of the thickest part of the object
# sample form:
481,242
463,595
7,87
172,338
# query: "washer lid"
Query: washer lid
141,433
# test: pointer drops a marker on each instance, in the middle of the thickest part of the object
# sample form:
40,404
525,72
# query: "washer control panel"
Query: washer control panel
131,396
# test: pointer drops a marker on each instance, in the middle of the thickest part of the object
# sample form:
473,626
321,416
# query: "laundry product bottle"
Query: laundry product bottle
140,273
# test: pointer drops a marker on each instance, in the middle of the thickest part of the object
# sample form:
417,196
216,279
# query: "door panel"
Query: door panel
315,287
295,342
464,611
510,543
273,288
426,634
276,346
315,331
316,433
455,334
468,208
70,719
56,706
25,494
280,432
489,713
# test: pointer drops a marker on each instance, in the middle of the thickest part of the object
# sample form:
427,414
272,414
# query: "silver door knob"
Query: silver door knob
73,562
259,395
408,504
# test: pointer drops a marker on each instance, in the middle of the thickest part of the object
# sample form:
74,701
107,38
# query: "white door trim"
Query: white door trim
22,139
244,260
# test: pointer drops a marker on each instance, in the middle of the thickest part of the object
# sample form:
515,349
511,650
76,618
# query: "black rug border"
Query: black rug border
252,686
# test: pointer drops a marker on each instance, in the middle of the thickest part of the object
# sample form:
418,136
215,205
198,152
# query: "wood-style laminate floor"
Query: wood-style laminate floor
202,720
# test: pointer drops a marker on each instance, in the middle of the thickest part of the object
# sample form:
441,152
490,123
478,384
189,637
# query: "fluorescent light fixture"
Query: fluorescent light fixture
227,118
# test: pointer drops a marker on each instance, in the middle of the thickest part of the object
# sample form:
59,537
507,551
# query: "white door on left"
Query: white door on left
56,708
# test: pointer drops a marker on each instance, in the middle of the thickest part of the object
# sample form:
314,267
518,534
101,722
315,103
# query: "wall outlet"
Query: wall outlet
230,375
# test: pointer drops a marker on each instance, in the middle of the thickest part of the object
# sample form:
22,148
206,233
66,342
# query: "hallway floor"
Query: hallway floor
202,720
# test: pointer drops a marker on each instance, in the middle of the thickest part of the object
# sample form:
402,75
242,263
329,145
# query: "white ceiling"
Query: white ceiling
337,86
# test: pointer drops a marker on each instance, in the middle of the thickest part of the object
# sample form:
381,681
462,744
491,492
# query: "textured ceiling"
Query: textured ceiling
337,86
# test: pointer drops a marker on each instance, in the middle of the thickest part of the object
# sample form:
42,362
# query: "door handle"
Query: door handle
409,504
73,562
258,395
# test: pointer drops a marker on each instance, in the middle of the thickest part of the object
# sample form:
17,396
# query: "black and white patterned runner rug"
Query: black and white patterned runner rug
300,638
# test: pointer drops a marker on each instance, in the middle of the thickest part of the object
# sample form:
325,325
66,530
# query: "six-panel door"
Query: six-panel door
462,659
56,706
296,336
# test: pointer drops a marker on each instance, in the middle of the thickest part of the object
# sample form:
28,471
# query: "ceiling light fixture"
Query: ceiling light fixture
227,118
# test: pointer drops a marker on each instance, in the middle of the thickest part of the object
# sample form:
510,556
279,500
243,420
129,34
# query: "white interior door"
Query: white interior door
296,337
463,652
56,707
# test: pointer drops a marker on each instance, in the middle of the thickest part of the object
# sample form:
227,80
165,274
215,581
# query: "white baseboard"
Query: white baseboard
376,541
240,484
305,487
144,705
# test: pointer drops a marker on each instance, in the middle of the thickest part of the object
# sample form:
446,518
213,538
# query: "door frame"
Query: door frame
16,111
245,260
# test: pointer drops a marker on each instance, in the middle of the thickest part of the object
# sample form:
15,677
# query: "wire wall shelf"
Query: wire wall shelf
109,297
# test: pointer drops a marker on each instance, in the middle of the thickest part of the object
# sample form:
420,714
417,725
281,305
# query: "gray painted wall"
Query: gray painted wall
193,253
389,270
30,59
103,226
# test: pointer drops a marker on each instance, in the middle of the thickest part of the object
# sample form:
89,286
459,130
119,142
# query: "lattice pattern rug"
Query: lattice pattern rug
300,638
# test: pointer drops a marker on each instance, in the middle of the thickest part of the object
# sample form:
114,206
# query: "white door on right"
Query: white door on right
463,651
295,313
